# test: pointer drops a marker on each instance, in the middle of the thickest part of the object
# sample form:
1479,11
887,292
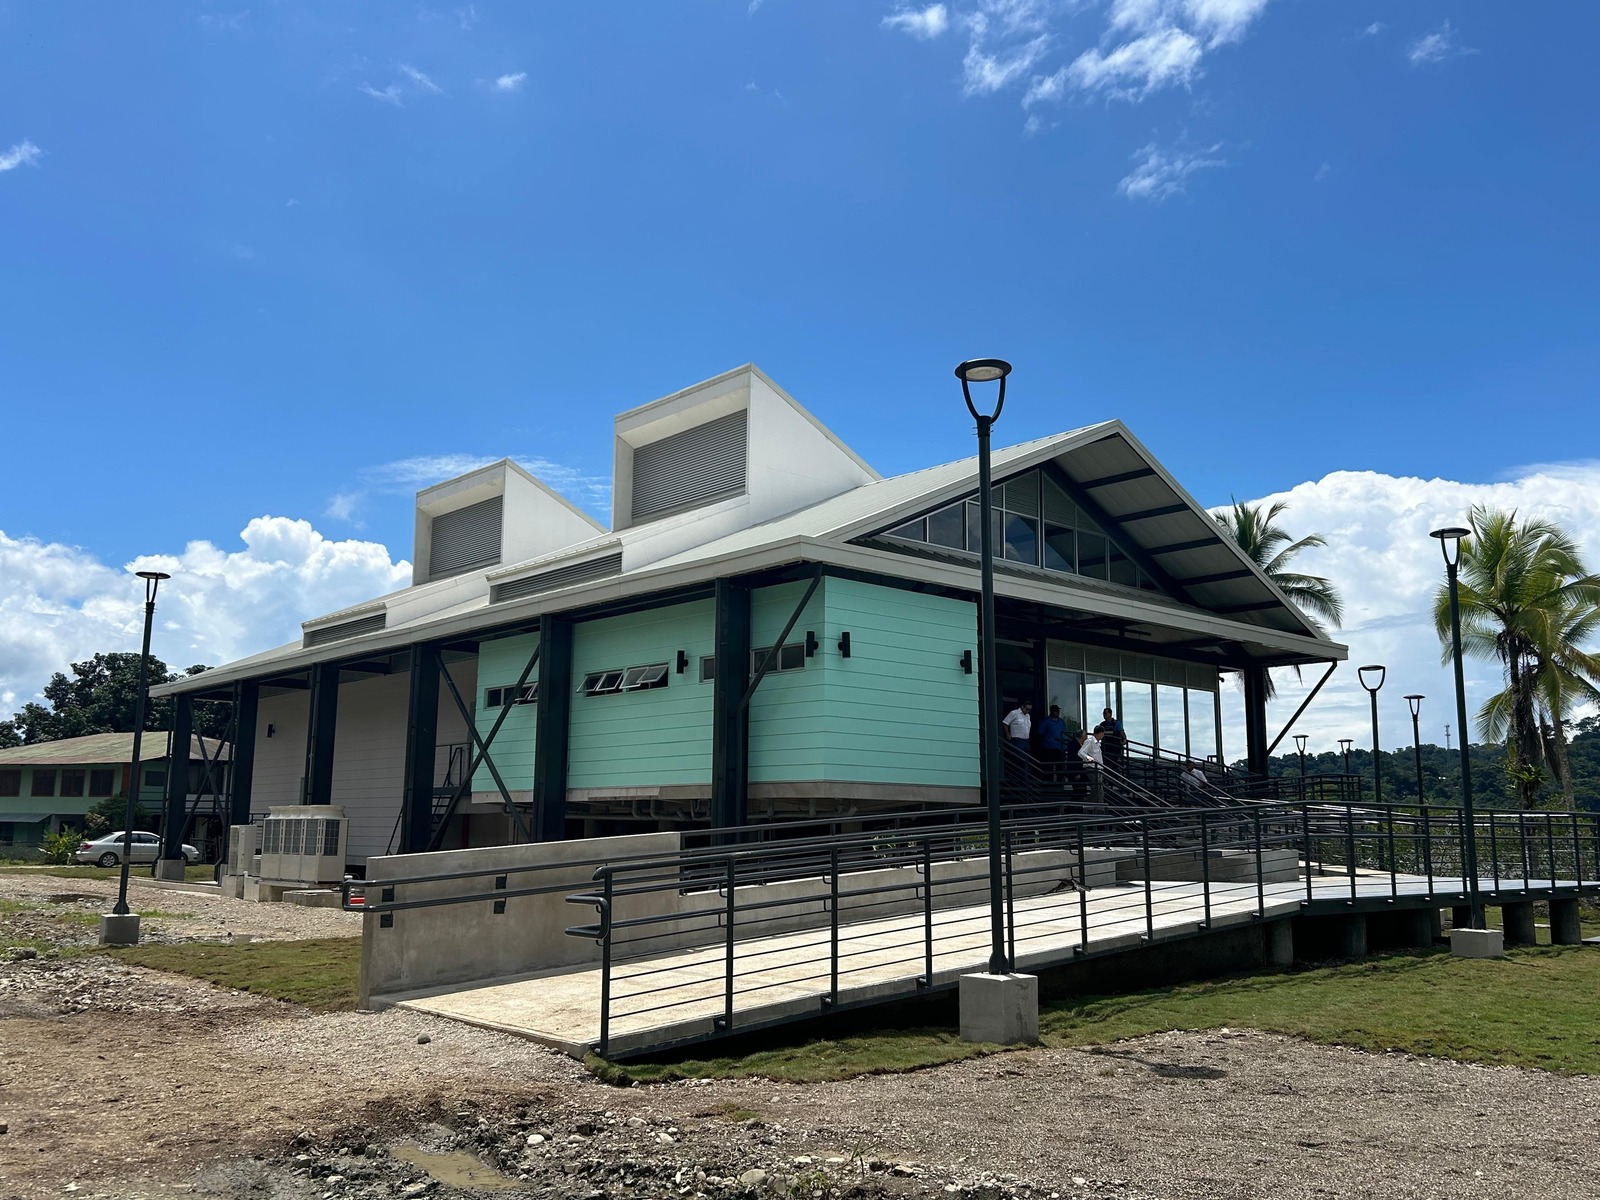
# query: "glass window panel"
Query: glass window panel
1022,539
708,668
792,657
1060,548
1099,694
974,541
1138,712
947,527
44,783
1066,690
1091,554
1202,723
157,778
100,783
1169,719
72,781
916,530
1022,495
11,782
1122,569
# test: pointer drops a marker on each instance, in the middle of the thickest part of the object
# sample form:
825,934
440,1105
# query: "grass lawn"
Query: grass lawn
321,973
1538,1007
200,874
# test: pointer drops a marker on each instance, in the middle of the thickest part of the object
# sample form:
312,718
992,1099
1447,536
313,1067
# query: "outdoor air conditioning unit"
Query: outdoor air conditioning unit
303,844
241,850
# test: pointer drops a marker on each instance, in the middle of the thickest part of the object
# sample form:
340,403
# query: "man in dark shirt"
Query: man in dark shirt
1052,732
1113,742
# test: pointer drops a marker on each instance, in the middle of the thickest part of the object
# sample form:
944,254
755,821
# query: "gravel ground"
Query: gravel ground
121,1082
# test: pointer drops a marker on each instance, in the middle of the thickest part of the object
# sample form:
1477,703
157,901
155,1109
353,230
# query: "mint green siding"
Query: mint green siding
500,664
655,738
900,709
789,722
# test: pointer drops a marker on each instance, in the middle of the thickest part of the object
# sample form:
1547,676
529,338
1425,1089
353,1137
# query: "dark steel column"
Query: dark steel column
178,778
242,763
422,739
551,723
1255,719
730,729
321,722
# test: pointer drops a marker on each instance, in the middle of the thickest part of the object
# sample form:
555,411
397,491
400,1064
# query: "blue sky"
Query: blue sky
294,260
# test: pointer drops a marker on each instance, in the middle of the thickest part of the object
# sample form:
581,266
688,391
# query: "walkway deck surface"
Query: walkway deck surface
677,996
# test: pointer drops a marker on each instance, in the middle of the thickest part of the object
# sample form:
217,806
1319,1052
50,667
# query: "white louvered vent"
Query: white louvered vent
466,538
557,577
691,468
345,629
1102,662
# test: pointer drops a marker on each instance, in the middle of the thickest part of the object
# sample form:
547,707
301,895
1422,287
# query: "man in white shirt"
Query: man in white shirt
1018,725
1089,753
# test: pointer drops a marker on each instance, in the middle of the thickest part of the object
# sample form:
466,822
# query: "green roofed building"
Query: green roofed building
50,786
612,672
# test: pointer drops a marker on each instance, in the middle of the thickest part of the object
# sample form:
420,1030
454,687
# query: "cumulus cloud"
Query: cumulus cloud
510,82
60,604
1386,565
1436,46
1134,69
1161,174
927,22
23,154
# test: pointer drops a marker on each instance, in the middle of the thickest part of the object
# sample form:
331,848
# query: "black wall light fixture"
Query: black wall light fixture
683,661
844,644
811,643
966,662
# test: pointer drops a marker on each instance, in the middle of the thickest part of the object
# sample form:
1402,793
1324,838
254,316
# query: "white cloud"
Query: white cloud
1374,29
468,17
1386,565
1161,174
404,476
510,82
927,22
24,153
389,95
1436,46
983,72
59,604
1322,173
421,80
1136,68
227,23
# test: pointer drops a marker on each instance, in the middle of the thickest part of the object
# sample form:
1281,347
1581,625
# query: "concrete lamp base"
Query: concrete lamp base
119,931
170,869
1477,943
1003,1009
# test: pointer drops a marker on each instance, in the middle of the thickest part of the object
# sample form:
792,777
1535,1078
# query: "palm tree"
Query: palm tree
1272,548
1528,602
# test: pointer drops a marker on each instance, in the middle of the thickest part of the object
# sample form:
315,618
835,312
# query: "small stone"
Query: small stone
412,1190
536,1139
335,1178
423,1039
4,1127
754,1178
1078,1181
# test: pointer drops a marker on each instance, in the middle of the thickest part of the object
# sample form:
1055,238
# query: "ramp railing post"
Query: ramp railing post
1394,876
727,999
1577,853
1427,846
1011,902
1261,874
927,913
833,923
1350,848
605,970
1494,852
1550,845
1305,835
1083,896
1149,898
1205,869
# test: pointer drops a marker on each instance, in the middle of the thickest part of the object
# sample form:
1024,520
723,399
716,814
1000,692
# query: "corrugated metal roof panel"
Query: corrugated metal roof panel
95,748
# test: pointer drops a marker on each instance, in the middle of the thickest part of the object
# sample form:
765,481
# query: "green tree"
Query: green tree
1272,548
100,696
1529,603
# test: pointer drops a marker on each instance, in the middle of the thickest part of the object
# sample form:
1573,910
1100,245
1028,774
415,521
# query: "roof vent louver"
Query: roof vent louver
466,538
557,577
324,634
688,469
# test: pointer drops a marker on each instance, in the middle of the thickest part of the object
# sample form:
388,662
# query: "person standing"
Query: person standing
1114,741
1052,742
1018,725
1090,753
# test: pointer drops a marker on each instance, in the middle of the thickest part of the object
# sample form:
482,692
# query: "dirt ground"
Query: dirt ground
121,1082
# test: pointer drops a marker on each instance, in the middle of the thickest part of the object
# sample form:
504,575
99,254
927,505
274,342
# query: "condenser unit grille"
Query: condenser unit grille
691,468
557,577
465,539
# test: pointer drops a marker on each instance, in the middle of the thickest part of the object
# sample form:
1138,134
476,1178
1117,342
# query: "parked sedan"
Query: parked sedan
106,850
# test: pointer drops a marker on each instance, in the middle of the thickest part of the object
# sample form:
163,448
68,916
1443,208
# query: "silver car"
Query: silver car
106,850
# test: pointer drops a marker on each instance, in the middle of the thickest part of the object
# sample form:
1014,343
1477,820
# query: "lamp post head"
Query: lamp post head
1346,743
1416,704
1378,674
1300,742
152,581
983,370
1450,542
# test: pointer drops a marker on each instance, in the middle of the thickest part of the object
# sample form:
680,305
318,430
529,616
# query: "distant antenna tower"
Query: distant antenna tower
1447,737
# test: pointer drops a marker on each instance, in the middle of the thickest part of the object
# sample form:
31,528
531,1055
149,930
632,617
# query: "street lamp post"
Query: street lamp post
1416,739
988,370
126,929
1377,676
1345,744
1300,745
1450,547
